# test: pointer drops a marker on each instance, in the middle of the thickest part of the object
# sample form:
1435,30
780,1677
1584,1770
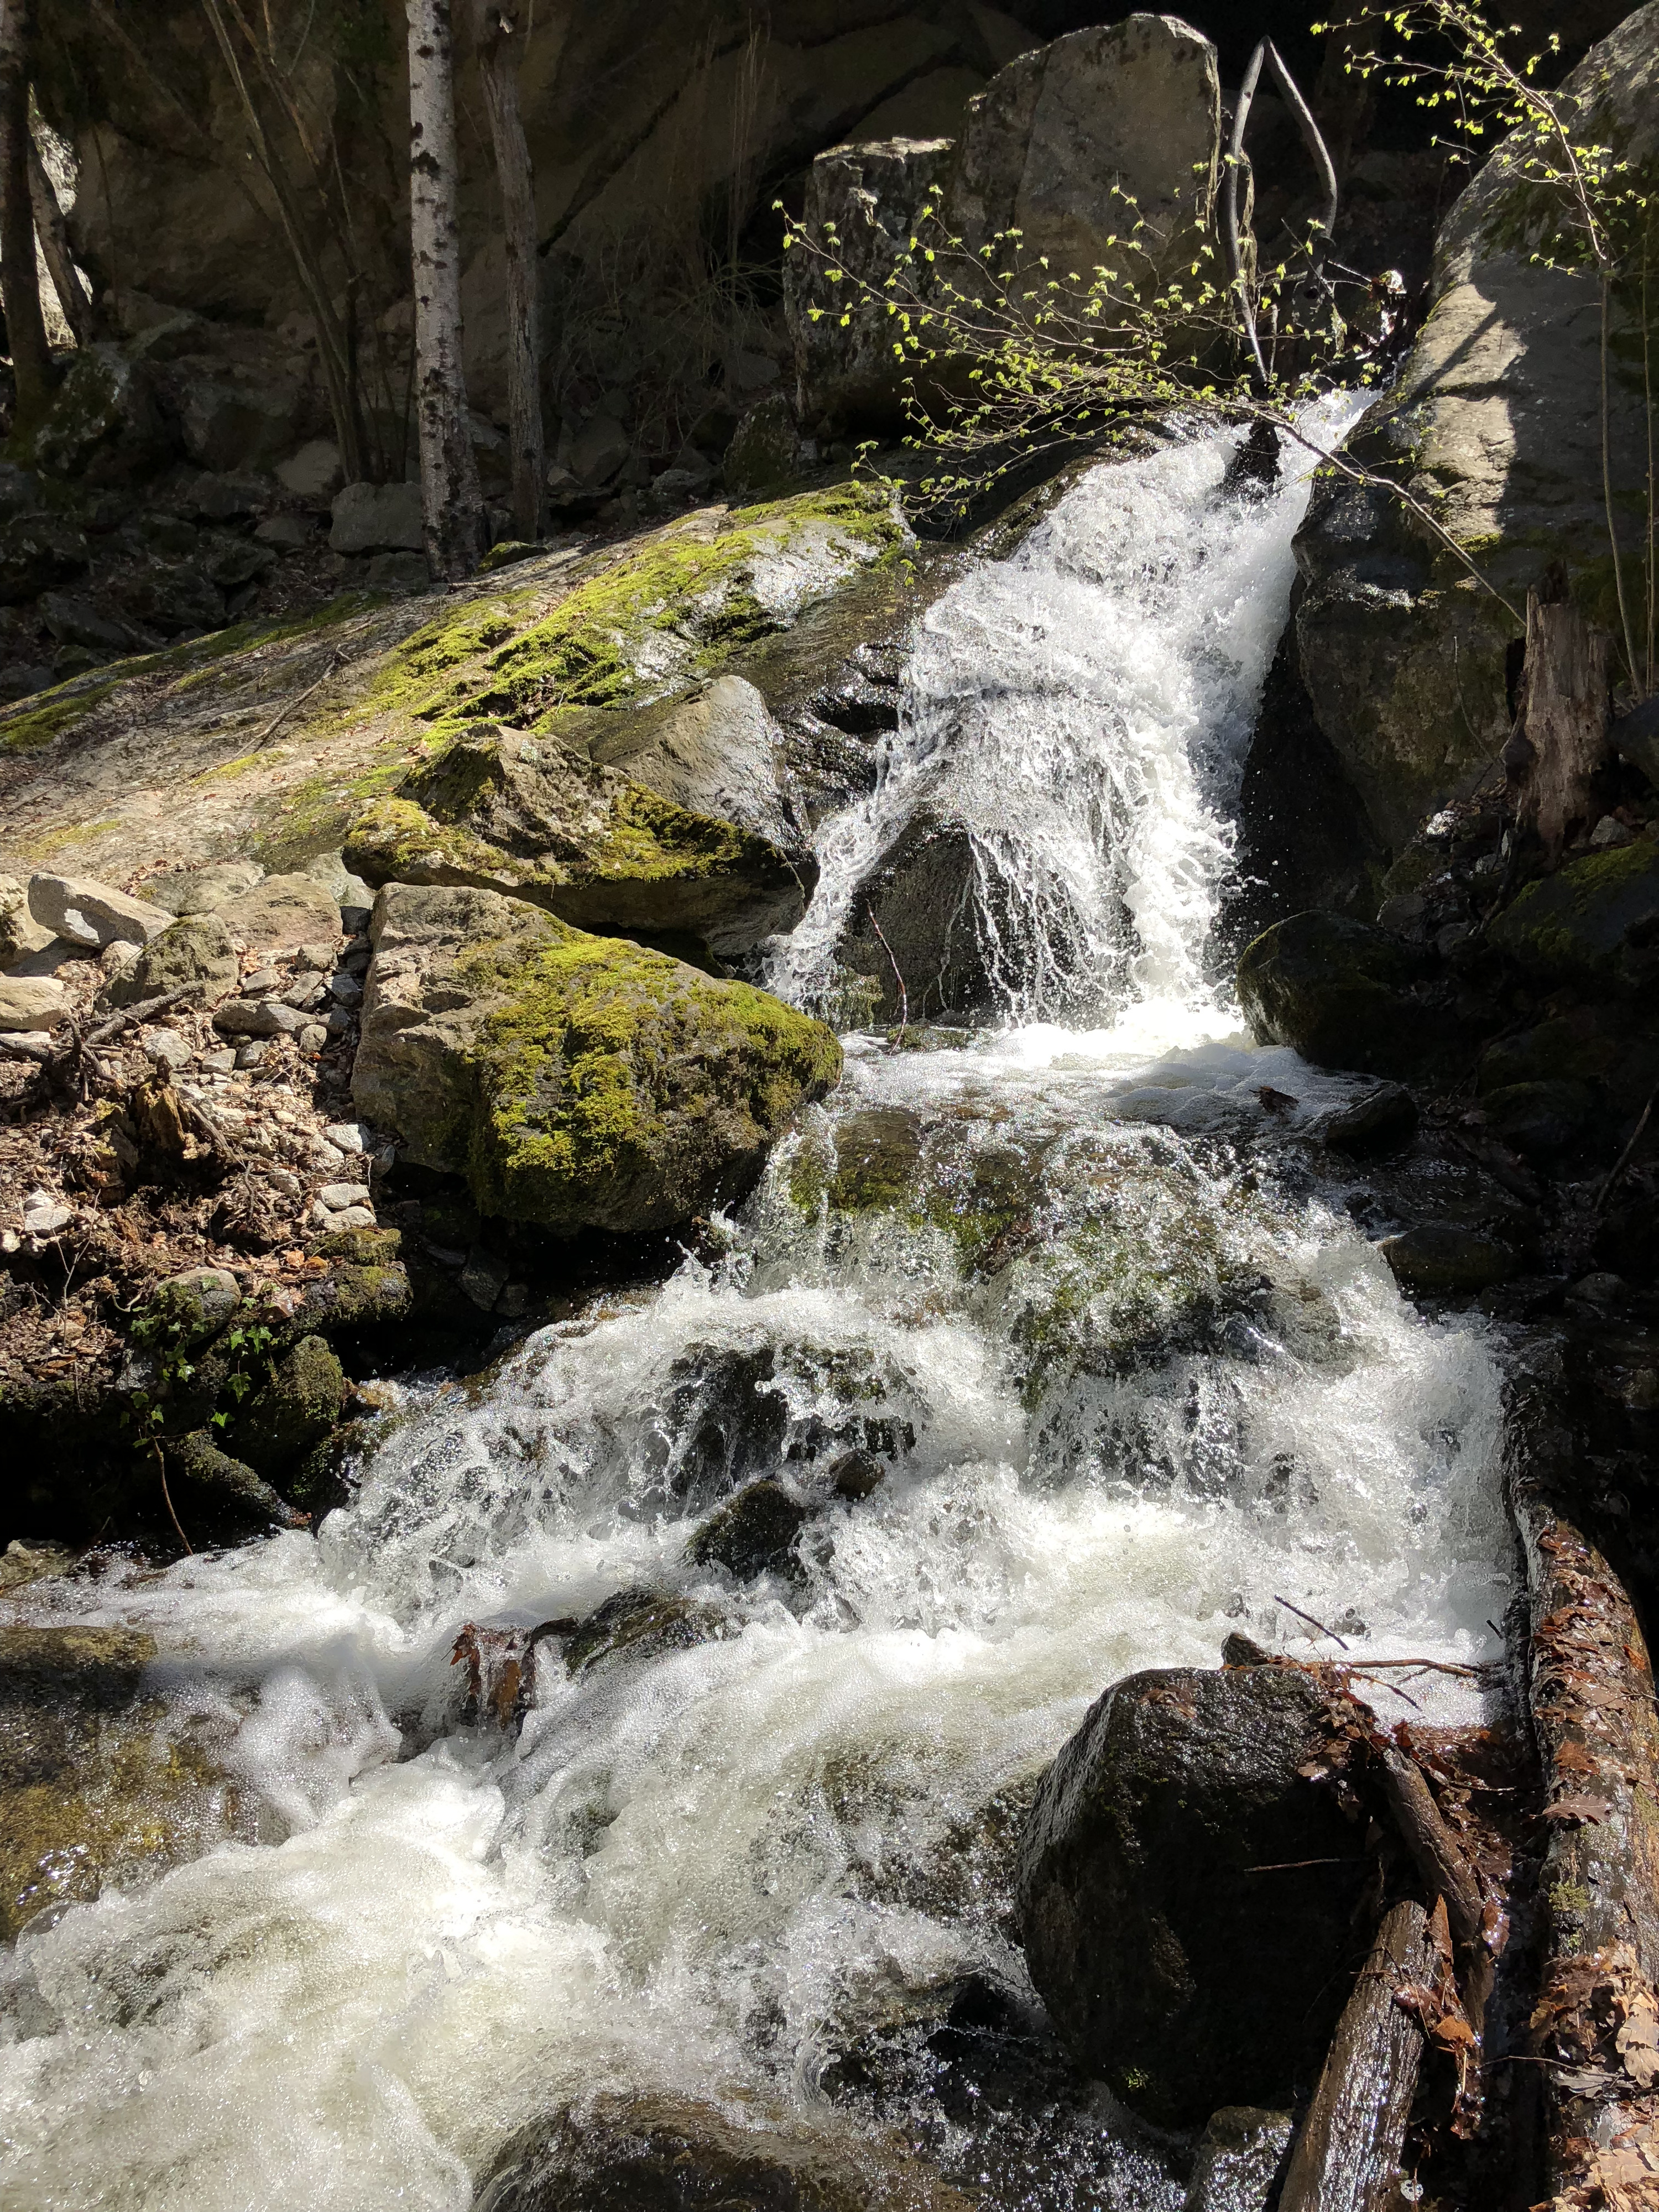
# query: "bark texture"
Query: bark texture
451,506
54,243
19,280
1346,2157
1559,745
501,39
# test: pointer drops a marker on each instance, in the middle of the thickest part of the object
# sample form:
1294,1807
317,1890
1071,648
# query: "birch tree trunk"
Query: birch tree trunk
54,243
500,40
452,505
19,280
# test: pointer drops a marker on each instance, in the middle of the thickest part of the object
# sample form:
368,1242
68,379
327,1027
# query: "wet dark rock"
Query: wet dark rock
38,551
1385,1116
1441,1260
1344,993
1174,1971
1540,1120
639,1624
855,1474
752,1533
920,894
1240,2153
293,1409
672,2154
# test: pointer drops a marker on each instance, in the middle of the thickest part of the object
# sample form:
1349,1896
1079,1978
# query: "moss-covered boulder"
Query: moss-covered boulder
194,954
187,1309
533,817
92,1782
219,1495
1343,992
1594,922
293,1409
579,1082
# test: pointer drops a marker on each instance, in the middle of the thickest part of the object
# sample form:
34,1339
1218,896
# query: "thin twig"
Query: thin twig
904,996
1311,1622
161,1469
288,705
1624,1158
1284,1866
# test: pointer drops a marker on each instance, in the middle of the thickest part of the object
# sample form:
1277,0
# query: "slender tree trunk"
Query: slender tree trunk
54,243
501,48
452,505
25,328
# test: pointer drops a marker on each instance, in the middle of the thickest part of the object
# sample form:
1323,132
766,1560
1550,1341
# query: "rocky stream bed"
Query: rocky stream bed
828,1359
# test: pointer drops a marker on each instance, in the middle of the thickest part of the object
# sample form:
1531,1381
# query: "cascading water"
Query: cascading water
1112,1374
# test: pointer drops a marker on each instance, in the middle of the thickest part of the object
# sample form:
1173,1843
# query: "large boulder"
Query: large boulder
1345,994
507,811
105,425
1131,108
717,751
672,2154
194,954
88,912
576,1081
1178,1961
1495,423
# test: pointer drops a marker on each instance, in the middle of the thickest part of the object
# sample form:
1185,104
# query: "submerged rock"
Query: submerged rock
1172,1968
92,1784
753,1534
641,1624
665,2153
576,1081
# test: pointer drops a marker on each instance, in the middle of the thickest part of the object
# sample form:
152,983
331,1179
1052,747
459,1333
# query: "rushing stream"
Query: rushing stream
1124,1376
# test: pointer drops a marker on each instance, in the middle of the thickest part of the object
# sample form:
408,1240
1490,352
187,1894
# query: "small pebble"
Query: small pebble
262,979
220,1062
338,1020
312,1038
46,1220
348,1136
337,1195
249,1055
353,1217
347,989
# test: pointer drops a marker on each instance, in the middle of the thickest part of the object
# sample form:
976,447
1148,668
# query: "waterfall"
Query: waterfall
1083,709
1119,1376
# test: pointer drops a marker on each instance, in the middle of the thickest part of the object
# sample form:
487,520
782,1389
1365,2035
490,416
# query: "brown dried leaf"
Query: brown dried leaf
1590,1810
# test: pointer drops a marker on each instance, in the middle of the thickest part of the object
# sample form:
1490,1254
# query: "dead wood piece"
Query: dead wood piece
1445,1872
1347,2152
1559,743
1596,2022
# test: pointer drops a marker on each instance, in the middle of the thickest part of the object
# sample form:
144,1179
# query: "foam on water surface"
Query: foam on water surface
1134,1381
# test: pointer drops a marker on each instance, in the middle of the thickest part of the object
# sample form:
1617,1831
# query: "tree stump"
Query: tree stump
1559,743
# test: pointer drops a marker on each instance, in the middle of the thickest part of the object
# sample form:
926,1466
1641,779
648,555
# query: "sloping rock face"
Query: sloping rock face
576,1081
1054,146
506,811
1496,424
1172,1970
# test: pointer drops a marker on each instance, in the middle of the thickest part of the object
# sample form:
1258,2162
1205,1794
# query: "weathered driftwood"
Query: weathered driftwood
1347,2153
1596,2021
1559,743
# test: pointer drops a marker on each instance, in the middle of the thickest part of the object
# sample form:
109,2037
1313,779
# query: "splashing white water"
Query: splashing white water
1081,709
1123,1399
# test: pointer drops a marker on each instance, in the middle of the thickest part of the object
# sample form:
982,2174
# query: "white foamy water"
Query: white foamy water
1123,1396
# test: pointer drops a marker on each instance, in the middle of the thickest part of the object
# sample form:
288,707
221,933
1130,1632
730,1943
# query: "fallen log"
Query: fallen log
1347,2152
1595,2025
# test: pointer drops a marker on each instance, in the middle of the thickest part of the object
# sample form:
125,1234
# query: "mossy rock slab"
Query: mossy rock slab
93,1785
500,809
1595,921
578,1082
